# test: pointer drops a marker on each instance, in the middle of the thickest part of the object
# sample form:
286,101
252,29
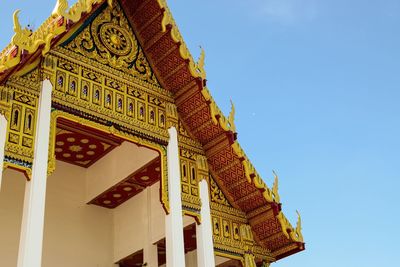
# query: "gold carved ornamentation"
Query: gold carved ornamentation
22,37
291,233
216,194
21,97
117,100
232,233
297,233
253,176
202,167
231,118
189,180
249,259
5,101
75,12
55,25
110,40
275,192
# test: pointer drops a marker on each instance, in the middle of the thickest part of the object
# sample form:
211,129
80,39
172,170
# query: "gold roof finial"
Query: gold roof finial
21,35
298,228
275,188
200,64
231,118
60,9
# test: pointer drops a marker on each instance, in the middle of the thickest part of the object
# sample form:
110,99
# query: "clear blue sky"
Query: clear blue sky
316,86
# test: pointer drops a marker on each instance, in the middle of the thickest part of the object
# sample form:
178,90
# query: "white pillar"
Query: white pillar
3,133
205,246
30,245
173,222
150,253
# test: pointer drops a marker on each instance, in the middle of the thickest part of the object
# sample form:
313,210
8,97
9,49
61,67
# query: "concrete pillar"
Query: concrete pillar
205,246
173,222
150,253
30,246
3,136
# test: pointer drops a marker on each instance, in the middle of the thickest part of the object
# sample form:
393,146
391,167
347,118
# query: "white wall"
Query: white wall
75,234
11,204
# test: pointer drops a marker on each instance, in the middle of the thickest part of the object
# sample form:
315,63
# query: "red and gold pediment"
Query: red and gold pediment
107,37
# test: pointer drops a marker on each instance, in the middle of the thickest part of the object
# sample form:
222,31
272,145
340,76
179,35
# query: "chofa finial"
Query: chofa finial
21,36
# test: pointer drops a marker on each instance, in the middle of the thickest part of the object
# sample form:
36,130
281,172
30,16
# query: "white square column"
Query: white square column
3,136
205,246
150,252
30,246
175,248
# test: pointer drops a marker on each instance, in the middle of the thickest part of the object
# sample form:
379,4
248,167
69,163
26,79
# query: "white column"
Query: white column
30,245
3,133
150,253
173,222
205,246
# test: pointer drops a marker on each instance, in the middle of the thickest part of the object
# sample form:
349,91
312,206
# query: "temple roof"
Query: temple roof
179,73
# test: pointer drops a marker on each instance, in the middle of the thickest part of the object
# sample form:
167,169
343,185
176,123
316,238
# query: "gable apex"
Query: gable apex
108,38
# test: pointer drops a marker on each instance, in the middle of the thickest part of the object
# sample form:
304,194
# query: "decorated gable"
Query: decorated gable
107,38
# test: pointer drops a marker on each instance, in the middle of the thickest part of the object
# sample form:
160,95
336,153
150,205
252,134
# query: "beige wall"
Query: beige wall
132,226
81,235
11,203
75,234
117,165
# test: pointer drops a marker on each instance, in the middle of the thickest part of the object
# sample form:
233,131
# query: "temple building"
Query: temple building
116,154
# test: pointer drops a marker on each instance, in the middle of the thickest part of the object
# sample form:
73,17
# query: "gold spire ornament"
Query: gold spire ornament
231,118
298,228
200,64
22,36
275,188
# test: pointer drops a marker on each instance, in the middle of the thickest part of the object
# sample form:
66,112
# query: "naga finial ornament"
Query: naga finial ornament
60,9
298,227
275,188
21,36
231,118
200,62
